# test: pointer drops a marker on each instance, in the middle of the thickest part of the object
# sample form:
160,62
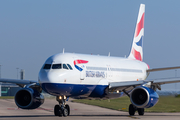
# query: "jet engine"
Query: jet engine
143,97
28,98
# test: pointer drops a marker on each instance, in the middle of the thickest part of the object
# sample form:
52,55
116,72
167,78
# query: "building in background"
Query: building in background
9,89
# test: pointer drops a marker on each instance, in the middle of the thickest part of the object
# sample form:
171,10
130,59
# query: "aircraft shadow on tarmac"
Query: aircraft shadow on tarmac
21,116
124,115
26,116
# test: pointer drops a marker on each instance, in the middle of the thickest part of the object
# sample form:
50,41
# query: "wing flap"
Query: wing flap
125,84
113,86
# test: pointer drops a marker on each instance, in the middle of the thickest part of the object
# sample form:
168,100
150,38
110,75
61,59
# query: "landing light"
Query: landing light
60,97
117,91
64,97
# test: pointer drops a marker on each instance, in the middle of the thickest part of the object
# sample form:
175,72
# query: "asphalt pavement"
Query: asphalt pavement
8,111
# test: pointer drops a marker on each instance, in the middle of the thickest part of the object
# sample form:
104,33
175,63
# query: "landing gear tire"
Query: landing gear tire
68,108
140,111
132,109
65,112
57,111
62,109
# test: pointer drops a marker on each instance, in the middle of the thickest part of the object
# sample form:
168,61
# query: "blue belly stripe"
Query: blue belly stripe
74,90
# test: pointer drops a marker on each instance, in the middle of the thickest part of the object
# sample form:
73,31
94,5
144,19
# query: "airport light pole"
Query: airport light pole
0,71
175,76
17,72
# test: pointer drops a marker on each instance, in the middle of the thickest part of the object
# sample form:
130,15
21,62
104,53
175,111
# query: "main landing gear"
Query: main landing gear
133,109
62,109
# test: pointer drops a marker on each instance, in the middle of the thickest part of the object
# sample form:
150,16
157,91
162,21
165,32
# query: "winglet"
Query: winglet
137,49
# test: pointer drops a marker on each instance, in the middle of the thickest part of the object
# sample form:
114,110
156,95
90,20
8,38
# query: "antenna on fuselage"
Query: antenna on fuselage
63,50
109,54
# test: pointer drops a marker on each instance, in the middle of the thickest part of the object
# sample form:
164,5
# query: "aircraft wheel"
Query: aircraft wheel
68,108
57,111
65,112
140,111
132,109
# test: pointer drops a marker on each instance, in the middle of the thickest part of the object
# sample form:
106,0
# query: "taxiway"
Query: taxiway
8,111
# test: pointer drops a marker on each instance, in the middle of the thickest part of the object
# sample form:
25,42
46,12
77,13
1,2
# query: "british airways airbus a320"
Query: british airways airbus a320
92,76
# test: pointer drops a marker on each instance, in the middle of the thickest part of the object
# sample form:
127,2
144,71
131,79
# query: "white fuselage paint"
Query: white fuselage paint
100,70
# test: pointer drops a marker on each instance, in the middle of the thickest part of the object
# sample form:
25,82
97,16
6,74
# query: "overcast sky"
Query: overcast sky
31,31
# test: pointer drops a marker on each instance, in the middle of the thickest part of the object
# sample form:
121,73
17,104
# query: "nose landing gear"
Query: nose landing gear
62,109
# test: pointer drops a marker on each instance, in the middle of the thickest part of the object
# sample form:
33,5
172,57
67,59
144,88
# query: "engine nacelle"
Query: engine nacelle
143,97
28,98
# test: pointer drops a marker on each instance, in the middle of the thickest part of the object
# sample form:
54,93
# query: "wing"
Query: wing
127,86
19,82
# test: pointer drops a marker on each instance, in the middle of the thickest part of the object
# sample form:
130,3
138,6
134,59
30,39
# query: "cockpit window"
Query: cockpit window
47,66
57,66
65,66
69,66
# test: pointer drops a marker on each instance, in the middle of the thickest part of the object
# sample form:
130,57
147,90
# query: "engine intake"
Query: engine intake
143,97
28,98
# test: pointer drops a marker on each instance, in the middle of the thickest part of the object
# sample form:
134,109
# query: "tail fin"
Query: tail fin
137,50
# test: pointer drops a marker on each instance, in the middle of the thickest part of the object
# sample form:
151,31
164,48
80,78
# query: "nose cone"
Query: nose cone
51,81
51,76
43,76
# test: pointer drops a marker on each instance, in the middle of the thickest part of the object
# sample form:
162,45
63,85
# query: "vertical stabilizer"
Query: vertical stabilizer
137,48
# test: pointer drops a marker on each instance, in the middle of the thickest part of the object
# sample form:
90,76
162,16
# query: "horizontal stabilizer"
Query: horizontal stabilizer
160,69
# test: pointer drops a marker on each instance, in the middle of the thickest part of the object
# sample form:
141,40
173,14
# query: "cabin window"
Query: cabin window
57,66
47,66
69,66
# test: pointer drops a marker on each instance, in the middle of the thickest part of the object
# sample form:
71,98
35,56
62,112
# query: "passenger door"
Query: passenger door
83,73
109,72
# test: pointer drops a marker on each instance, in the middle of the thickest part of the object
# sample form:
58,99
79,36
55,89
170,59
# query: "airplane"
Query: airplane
84,76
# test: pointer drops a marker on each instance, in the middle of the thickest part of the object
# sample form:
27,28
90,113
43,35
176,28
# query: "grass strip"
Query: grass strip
6,97
165,104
